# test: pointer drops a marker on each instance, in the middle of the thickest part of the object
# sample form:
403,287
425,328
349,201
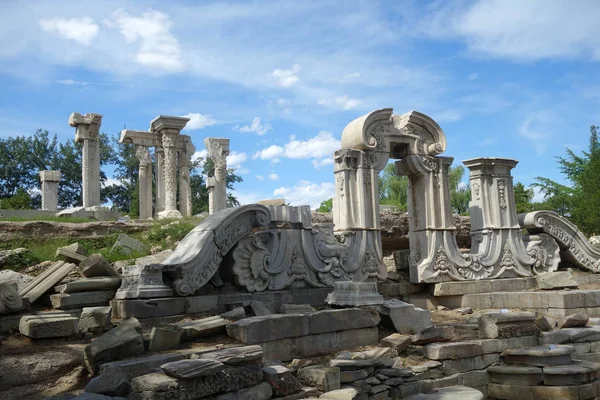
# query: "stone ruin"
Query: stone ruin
498,320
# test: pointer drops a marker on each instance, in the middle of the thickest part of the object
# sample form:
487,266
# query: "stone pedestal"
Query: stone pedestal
218,150
354,294
50,181
88,132
145,182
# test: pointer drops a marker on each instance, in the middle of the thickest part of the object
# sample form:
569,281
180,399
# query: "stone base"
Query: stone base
65,301
354,294
169,214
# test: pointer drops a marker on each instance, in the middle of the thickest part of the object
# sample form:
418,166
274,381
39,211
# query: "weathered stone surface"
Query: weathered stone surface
342,320
354,294
262,391
45,281
96,265
323,378
190,369
202,328
296,309
544,322
459,365
341,394
281,380
234,355
67,301
573,321
153,308
159,386
235,315
539,356
450,393
396,341
123,341
515,375
504,325
573,374
259,308
48,326
10,301
345,365
164,338
112,382
353,375
404,317
554,392
556,280
10,276
73,252
90,285
444,351
128,245
396,372
95,319
434,334
268,328
138,366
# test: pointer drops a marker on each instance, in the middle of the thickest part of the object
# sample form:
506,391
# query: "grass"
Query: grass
163,233
50,218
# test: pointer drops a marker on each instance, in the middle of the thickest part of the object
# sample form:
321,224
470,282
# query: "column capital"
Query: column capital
50,176
87,126
163,122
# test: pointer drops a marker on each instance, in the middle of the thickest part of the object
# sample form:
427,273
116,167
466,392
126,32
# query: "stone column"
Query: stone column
159,173
185,190
169,128
50,181
88,132
218,150
145,182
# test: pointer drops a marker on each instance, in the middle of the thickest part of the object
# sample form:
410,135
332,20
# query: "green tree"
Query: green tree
460,194
326,206
124,195
523,198
231,178
392,188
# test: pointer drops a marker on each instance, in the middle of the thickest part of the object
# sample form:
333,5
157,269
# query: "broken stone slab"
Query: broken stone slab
73,252
404,317
342,394
10,301
164,338
396,372
112,382
539,356
260,309
74,212
159,385
123,341
515,375
345,365
190,369
138,366
269,327
578,373
450,393
545,323
396,341
143,282
378,353
354,375
90,285
354,294
262,391
580,335
505,325
573,321
281,380
52,325
46,281
342,320
127,245
96,265
434,334
205,327
556,280
453,350
66,301
236,314
296,309
234,355
95,319
323,378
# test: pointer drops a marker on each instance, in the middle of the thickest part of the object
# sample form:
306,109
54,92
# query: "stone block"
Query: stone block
152,308
281,380
234,315
459,365
127,245
572,299
73,252
341,320
396,341
591,298
578,373
164,338
138,366
262,391
434,334
503,325
190,369
296,309
554,337
45,281
52,325
112,382
539,356
555,392
205,327
588,391
95,319
477,301
509,392
454,350
234,355
323,378
270,327
515,375
404,317
556,280
544,322
450,393
104,283
123,341
96,265
260,309
585,334
66,301
401,259
354,294
282,349
573,321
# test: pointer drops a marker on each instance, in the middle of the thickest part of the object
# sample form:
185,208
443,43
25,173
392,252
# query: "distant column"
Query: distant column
160,179
218,150
88,132
145,182
185,190
50,181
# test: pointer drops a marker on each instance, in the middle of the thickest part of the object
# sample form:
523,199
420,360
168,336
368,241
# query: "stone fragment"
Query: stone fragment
539,356
346,365
342,320
573,321
404,317
96,265
111,382
190,369
451,393
45,281
323,378
454,350
396,341
556,280
281,380
340,394
578,373
138,366
393,381
90,285
128,245
234,315
259,308
505,325
354,294
434,334
396,372
164,338
515,375
205,327
349,376
465,310
95,319
67,301
10,276
544,322
262,391
379,353
123,341
268,328
10,301
51,325
73,252
234,355
296,309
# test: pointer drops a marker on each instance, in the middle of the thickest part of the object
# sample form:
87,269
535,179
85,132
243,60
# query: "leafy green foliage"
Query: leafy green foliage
460,195
523,198
392,188
326,206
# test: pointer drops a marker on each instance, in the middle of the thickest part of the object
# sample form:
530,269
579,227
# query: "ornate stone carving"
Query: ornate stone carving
218,150
87,131
544,249
10,301
144,282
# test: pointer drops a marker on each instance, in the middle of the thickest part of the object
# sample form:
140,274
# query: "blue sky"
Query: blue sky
281,79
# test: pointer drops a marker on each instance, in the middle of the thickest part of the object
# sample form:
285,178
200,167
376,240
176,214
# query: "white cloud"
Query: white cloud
260,177
255,127
198,121
322,163
287,77
538,195
353,75
71,82
345,102
158,48
448,116
273,177
82,30
113,181
283,102
242,171
200,154
270,153
534,129
306,192
322,145
235,159
474,76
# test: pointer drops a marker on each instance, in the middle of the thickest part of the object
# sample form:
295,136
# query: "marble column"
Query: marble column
185,190
50,181
218,150
145,182
159,173
88,132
